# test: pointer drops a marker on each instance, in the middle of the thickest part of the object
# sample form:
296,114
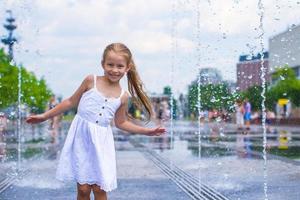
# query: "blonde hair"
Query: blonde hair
135,85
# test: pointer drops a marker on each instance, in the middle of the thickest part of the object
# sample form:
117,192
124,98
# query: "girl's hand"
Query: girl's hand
33,119
156,131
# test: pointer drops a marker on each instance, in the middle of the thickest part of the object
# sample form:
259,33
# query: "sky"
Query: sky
63,40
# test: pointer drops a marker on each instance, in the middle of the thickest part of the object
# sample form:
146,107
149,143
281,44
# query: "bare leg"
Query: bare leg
83,191
98,193
247,125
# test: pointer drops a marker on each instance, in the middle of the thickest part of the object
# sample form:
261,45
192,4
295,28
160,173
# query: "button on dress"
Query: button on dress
88,155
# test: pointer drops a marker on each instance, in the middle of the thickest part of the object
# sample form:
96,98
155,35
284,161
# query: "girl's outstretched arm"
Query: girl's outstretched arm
64,105
123,123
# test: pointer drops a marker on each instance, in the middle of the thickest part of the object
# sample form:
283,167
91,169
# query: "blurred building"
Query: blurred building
249,70
210,76
284,49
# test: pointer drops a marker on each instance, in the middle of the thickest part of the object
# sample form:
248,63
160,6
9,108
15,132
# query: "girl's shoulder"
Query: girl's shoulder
89,81
89,77
125,96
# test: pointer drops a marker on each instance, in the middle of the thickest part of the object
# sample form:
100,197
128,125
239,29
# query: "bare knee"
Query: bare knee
98,192
84,190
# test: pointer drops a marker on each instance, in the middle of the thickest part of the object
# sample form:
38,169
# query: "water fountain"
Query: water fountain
263,74
199,90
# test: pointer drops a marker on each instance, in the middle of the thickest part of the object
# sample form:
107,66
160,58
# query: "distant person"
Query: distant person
3,122
213,115
3,127
166,113
52,102
163,112
88,155
270,116
51,105
239,114
247,115
160,114
54,121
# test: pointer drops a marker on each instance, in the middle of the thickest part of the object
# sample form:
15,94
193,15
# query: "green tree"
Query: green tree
286,85
35,93
167,90
254,96
212,96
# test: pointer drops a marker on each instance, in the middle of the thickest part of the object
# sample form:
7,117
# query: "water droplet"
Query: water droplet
250,77
12,62
249,57
224,36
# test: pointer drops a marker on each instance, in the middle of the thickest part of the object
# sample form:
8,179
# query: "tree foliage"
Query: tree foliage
35,92
286,86
254,95
167,90
212,96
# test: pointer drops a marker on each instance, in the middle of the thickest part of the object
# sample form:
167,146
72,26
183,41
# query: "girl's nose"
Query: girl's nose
115,69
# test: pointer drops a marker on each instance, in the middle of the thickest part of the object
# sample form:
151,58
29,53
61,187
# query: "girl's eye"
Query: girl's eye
109,64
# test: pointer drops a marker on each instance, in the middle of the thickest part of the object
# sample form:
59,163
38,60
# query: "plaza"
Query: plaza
230,165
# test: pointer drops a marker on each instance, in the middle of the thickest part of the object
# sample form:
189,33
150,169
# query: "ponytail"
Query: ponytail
138,95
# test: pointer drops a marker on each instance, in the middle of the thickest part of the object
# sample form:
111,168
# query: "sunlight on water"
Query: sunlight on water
45,180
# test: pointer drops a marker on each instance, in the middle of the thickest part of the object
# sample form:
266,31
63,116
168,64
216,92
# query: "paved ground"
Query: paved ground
138,179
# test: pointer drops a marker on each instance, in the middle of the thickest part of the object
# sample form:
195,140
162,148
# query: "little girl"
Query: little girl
88,155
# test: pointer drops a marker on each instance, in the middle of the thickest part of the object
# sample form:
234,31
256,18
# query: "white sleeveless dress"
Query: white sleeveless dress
88,155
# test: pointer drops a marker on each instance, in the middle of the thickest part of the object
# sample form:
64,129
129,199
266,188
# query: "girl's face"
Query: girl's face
115,66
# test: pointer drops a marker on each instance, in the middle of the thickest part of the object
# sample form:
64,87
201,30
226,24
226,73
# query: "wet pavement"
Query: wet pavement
230,161
138,178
